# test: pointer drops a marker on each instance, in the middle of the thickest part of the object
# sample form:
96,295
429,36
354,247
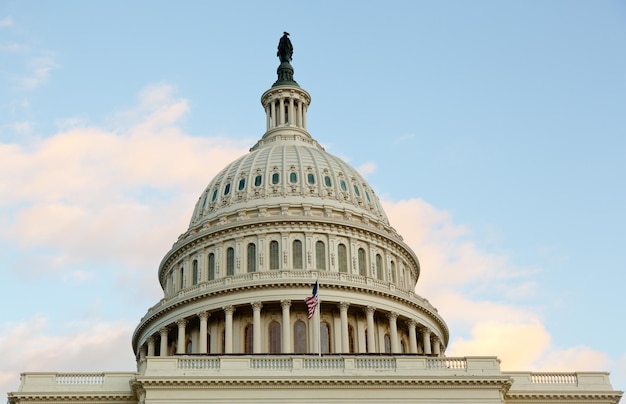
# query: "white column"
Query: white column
150,341
303,116
273,111
360,331
436,346
286,327
292,114
256,327
412,337
163,331
214,346
393,331
228,329
426,341
299,115
343,313
180,346
267,117
371,338
281,112
204,317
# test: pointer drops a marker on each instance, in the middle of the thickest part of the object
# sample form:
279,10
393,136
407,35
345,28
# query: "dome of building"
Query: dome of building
269,226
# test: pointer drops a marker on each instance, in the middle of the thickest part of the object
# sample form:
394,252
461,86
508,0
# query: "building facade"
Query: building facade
233,325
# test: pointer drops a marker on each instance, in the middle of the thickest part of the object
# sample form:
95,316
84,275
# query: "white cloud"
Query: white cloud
27,346
109,195
366,169
6,22
453,268
39,71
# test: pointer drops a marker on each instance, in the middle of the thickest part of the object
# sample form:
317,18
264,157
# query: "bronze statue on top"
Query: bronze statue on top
285,49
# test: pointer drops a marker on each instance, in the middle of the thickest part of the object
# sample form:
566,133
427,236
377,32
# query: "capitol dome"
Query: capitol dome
269,226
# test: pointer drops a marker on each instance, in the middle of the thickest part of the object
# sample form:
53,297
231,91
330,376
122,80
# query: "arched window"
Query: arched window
393,272
195,272
362,267
293,178
351,338
274,256
379,266
248,339
320,255
275,178
251,257
325,337
211,266
342,253
230,261
297,254
387,343
242,184
274,339
181,278
299,337
189,347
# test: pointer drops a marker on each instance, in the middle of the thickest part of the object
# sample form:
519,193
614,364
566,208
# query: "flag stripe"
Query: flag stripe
312,301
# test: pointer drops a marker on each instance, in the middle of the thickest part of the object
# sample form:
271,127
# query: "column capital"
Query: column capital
204,315
228,309
343,306
411,323
425,330
256,306
164,331
285,303
369,310
181,323
150,340
392,316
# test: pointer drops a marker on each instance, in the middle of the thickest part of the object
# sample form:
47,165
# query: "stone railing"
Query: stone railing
278,277
79,378
80,382
554,378
330,365
524,382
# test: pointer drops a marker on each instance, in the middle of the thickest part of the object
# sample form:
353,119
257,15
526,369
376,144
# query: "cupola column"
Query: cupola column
256,327
204,317
281,112
180,346
163,348
304,108
228,329
371,338
267,117
299,115
393,331
343,313
273,112
150,346
426,341
412,337
286,326
292,116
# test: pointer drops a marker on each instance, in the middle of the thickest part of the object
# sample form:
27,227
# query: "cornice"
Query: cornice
501,383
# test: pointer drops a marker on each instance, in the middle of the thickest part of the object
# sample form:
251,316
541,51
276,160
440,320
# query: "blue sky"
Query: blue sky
493,131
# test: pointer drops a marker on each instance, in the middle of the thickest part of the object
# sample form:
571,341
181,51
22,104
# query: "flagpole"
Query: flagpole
319,318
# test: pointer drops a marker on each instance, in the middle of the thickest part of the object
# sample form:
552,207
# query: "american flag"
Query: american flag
311,301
